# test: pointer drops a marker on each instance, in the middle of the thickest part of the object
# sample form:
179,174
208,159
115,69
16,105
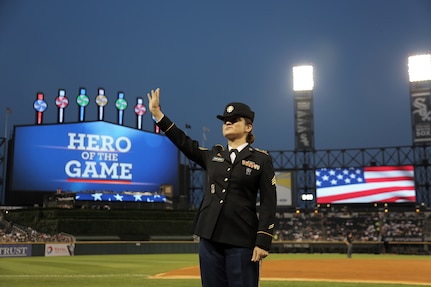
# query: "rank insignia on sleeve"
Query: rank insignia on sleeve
273,181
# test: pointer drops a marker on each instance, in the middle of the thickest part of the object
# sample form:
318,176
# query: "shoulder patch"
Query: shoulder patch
219,147
262,151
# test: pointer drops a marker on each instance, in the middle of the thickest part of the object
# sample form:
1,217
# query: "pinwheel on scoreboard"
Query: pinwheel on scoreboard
82,100
140,111
40,106
101,101
121,105
61,102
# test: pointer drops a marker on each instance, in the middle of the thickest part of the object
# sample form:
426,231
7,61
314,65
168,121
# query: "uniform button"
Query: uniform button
212,191
223,190
228,169
226,179
221,201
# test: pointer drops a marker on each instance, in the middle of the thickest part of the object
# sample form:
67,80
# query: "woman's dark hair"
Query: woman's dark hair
250,136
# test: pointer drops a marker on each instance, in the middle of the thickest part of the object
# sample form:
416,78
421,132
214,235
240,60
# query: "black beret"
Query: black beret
237,110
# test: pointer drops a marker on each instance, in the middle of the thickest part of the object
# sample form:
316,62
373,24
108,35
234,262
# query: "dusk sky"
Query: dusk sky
205,54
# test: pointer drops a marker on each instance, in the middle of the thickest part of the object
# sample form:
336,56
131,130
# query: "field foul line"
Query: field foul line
73,275
197,277
410,283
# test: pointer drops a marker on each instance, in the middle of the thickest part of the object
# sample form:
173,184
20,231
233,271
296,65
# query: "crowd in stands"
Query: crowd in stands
330,226
407,228
375,226
10,232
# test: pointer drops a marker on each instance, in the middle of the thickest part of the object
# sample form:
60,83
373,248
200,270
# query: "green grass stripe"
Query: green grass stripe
135,270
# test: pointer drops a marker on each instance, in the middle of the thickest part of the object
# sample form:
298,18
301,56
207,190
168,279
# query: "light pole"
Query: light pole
419,68
303,85
3,193
420,92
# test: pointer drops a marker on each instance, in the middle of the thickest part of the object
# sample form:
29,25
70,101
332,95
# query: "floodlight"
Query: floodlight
303,78
419,68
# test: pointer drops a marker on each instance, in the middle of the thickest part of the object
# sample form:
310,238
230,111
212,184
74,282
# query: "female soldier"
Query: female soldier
233,238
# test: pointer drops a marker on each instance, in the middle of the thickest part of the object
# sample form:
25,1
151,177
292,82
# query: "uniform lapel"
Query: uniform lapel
243,154
225,155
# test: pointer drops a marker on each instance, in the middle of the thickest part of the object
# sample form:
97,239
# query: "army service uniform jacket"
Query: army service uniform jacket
228,210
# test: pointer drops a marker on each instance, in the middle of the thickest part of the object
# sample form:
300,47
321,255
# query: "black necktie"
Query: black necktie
233,153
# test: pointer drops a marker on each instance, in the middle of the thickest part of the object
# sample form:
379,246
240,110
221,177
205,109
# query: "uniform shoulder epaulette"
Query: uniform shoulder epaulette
203,148
262,151
220,147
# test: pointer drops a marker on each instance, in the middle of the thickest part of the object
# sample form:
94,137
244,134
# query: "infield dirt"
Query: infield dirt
346,270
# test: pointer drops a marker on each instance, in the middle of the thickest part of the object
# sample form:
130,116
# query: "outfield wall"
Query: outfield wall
167,247
414,248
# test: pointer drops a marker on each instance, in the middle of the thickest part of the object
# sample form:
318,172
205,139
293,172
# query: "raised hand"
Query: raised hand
154,104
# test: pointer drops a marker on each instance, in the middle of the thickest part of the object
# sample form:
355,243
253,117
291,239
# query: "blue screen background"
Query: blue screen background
41,153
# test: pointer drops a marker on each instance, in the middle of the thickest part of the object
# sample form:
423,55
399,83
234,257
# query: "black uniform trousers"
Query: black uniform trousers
225,265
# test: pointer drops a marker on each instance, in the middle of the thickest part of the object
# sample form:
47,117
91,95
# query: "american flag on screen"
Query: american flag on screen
365,184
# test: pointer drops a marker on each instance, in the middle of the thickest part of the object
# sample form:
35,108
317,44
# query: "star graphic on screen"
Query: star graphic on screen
138,197
97,196
158,198
118,197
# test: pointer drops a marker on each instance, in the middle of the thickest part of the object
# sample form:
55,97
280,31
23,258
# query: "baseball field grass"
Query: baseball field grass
141,270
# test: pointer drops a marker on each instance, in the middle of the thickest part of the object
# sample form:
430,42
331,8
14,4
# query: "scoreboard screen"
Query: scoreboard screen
91,156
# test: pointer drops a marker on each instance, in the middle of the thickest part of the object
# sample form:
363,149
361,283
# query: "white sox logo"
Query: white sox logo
422,109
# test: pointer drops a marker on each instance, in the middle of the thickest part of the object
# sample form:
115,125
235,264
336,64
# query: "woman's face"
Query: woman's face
235,128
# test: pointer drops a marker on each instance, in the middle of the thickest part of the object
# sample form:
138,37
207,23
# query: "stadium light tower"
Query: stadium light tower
419,68
303,84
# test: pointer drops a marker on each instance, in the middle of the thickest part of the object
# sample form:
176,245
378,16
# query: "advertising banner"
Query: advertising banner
15,250
421,116
284,188
59,249
304,130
